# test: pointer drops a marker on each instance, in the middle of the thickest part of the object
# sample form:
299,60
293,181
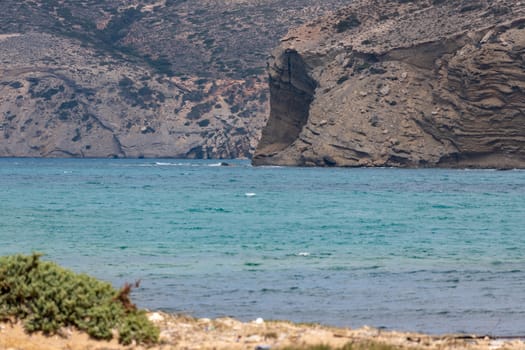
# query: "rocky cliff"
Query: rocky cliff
139,78
425,83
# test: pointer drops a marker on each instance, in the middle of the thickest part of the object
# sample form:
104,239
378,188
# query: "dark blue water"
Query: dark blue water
423,250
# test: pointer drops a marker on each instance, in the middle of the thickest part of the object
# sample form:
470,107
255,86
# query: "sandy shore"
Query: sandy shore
183,332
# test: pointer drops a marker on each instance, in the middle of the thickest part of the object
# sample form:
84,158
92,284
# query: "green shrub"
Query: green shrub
47,297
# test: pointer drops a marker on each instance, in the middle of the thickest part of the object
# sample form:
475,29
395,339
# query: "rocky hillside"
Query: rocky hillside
139,78
401,83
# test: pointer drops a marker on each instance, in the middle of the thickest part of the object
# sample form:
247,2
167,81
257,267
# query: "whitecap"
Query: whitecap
303,254
173,164
220,164
250,194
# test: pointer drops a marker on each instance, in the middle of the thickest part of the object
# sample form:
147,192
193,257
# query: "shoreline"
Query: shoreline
186,332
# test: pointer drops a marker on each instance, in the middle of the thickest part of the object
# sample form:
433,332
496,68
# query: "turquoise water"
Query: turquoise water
424,250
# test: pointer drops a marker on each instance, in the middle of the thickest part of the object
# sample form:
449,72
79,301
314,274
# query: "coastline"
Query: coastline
185,332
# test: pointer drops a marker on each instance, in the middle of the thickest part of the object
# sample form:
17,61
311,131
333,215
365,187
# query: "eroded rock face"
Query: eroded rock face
293,92
401,83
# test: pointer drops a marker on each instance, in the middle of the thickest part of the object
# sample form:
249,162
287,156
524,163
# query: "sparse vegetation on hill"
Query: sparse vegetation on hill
47,298
180,57
197,38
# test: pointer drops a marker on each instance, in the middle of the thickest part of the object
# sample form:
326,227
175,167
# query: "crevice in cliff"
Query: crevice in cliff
292,91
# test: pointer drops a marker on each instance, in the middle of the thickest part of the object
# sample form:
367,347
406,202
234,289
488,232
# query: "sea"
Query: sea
428,250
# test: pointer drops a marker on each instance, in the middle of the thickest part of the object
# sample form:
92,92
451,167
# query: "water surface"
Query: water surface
423,250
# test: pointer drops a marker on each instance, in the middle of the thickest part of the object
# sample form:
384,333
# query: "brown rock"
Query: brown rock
451,87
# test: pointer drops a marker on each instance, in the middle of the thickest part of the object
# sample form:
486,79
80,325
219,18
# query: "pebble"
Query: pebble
165,334
156,317
65,332
259,321
385,90
392,102
496,344
253,339
263,347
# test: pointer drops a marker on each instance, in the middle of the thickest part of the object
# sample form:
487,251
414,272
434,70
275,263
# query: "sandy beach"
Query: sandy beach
184,332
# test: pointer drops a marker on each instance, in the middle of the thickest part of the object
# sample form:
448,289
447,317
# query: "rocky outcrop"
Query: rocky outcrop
292,93
401,83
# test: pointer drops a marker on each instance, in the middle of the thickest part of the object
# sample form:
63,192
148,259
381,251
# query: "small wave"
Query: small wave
250,194
452,280
208,210
481,169
338,268
94,183
170,164
303,254
371,267
220,164
219,210
442,206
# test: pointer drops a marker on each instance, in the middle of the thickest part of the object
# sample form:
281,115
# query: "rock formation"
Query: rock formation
139,78
426,83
